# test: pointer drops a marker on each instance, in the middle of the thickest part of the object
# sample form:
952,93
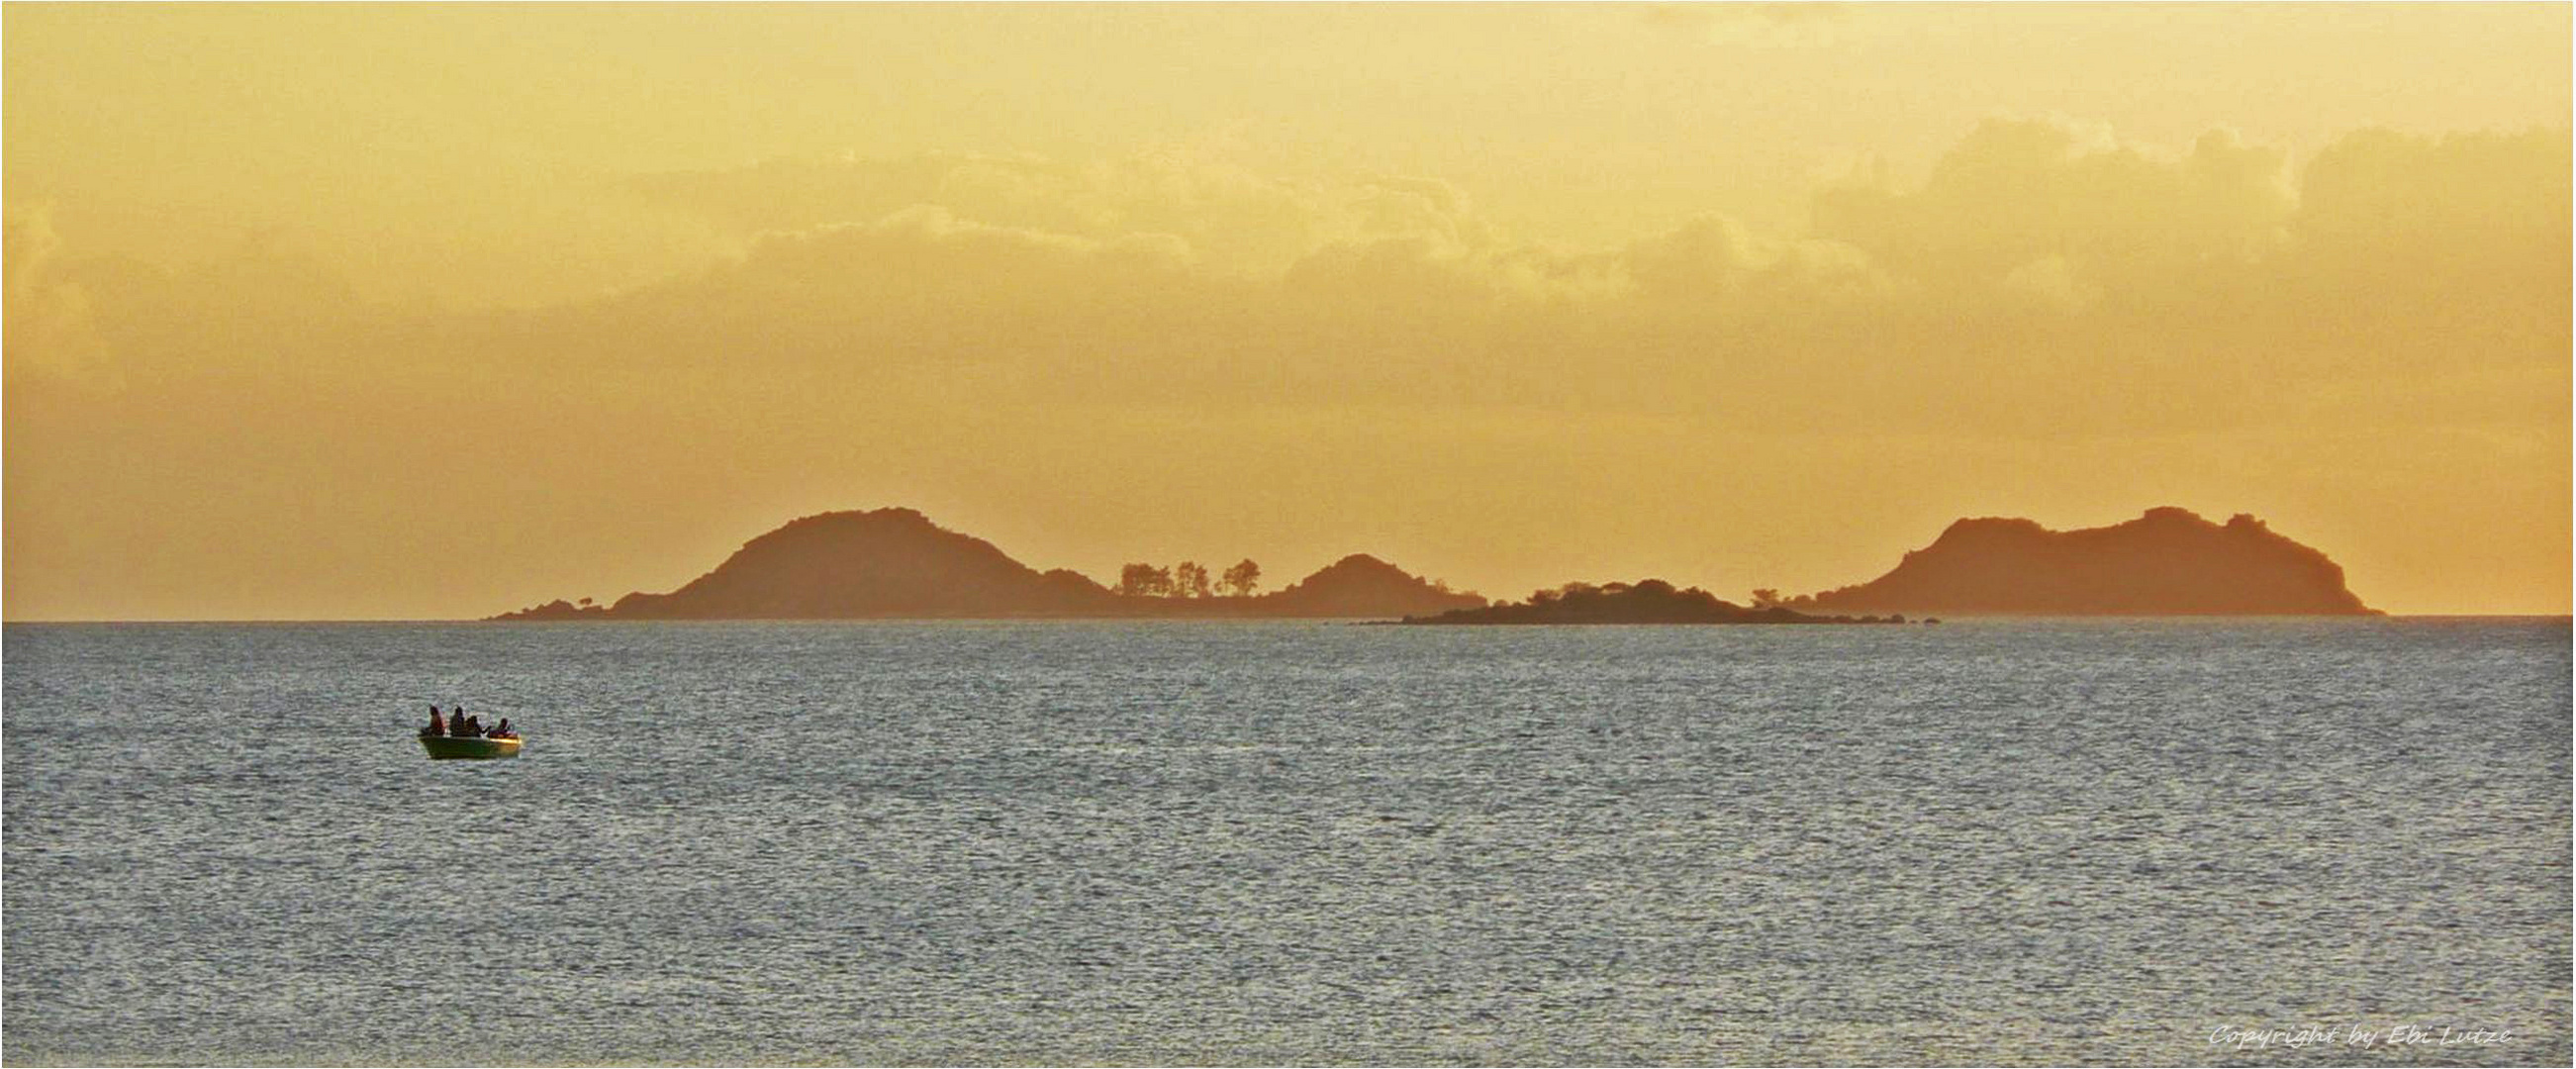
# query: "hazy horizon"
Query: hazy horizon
436,311
1271,581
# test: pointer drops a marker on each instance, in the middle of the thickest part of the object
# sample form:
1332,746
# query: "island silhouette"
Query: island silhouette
894,563
2167,562
1648,601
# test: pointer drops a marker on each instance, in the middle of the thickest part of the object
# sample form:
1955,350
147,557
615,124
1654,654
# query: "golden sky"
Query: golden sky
436,311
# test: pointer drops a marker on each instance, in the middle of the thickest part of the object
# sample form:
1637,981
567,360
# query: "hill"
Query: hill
2167,562
1358,585
895,563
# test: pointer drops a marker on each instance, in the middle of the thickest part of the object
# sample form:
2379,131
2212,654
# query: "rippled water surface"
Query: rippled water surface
1289,843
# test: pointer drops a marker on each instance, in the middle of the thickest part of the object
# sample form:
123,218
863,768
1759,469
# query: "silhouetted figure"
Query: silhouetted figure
437,726
473,728
502,729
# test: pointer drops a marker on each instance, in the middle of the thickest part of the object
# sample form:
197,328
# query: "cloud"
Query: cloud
2022,216
927,245
1715,264
1236,219
1761,24
2459,190
2020,191
50,329
2050,282
2463,232
2047,277
101,322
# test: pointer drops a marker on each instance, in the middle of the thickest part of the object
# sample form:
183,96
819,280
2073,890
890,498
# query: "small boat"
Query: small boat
469,748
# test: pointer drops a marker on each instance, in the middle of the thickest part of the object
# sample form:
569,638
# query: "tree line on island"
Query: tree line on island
1188,579
895,563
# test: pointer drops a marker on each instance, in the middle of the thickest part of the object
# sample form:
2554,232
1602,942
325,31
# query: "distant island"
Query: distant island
894,563
1651,601
2167,562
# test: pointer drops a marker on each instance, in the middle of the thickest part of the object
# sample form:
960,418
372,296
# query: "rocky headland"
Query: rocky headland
2167,562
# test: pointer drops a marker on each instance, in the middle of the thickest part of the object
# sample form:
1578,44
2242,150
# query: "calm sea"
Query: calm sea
2097,842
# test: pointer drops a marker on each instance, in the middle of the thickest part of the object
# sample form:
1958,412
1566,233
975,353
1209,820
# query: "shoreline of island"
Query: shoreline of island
894,563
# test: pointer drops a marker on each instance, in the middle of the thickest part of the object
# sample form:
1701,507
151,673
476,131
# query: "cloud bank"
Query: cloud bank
2047,291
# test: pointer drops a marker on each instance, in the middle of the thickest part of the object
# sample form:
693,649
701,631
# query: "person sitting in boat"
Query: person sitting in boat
500,730
436,726
472,728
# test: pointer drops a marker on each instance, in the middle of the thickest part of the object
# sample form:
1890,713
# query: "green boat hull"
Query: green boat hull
442,748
